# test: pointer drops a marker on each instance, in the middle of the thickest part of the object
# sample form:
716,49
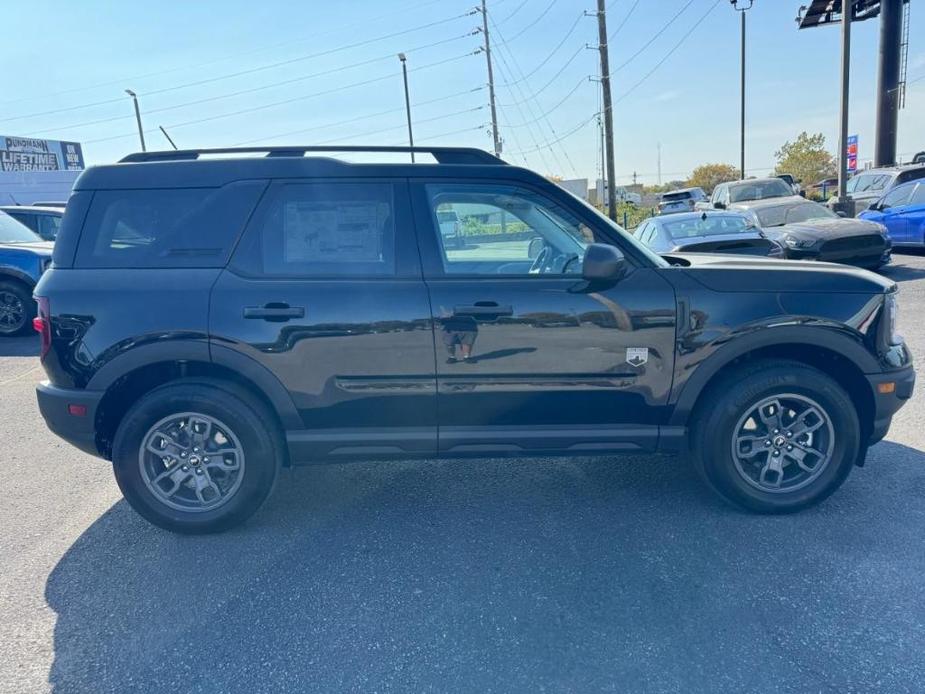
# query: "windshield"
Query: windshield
707,225
628,238
759,190
869,182
792,214
12,231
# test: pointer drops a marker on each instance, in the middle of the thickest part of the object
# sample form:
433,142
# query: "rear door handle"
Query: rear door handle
274,312
483,309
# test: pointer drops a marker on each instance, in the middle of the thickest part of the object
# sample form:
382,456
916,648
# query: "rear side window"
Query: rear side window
323,229
165,227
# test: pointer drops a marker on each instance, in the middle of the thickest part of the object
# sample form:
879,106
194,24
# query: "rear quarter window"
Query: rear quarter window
165,227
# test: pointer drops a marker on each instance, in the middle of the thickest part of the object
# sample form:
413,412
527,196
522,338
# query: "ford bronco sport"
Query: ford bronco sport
208,320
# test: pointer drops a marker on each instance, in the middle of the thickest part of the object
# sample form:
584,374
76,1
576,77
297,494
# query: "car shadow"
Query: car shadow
25,346
477,575
899,272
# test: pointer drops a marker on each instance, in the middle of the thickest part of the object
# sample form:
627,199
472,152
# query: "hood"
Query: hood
43,248
744,273
826,229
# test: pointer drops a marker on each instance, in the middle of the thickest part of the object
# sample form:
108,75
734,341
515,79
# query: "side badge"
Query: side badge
637,356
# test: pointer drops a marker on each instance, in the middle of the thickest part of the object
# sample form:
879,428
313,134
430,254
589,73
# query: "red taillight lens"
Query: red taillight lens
42,323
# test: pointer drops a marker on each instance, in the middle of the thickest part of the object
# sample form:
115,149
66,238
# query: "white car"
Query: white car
449,229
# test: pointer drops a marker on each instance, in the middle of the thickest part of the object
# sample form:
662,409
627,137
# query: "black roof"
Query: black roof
217,167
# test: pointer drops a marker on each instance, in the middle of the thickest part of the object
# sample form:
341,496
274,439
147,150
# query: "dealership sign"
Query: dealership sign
852,153
31,154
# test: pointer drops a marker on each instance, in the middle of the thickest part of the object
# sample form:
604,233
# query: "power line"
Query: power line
534,22
655,36
364,22
572,131
228,95
552,79
250,71
357,119
516,10
583,80
292,100
379,131
669,53
625,20
570,31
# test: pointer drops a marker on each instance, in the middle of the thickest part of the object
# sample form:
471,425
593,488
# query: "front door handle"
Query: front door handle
483,309
274,312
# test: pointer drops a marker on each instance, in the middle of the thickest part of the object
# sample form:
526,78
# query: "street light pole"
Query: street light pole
141,132
741,11
843,203
404,72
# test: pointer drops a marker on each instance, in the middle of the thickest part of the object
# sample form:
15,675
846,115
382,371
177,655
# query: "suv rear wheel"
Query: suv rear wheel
776,437
195,457
17,309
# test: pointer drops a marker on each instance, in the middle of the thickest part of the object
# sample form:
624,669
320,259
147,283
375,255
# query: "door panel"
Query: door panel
542,362
338,314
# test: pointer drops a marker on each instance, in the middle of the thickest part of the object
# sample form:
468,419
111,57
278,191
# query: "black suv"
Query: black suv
208,320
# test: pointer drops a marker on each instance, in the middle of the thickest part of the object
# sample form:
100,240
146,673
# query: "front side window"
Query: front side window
49,225
898,196
918,197
12,231
324,229
866,183
488,229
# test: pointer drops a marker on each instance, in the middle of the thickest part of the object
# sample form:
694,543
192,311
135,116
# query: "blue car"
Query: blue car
23,258
902,212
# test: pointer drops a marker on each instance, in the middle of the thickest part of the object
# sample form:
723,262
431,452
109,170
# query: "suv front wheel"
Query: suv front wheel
776,437
195,457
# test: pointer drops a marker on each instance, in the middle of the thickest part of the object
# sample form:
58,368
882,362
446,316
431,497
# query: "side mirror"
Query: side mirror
874,206
536,246
719,205
603,262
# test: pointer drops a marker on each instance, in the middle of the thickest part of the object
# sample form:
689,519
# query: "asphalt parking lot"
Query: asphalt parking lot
489,575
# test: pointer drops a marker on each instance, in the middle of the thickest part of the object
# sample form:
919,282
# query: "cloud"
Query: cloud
670,95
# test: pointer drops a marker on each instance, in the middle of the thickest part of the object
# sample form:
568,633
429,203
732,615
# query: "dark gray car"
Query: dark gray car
807,230
706,232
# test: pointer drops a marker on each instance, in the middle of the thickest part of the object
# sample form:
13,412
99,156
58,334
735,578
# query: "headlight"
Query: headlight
795,242
891,307
883,230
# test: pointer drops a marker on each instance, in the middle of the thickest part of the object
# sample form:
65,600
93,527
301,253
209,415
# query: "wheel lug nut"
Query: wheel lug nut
768,442
205,460
789,448
789,434
777,431
185,468
199,471
183,454
776,452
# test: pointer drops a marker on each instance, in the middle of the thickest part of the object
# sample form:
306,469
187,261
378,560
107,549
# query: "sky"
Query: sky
239,72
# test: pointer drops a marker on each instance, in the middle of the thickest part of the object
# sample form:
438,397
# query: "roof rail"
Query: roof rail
443,155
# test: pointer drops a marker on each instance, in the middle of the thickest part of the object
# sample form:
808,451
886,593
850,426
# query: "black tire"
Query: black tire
12,295
246,418
716,420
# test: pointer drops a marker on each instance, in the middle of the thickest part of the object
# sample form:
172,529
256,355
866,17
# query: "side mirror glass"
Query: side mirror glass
719,205
603,262
874,206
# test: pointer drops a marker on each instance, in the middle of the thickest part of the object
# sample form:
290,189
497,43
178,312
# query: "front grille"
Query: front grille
868,243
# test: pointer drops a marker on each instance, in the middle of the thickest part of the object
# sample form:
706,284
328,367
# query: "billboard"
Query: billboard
852,153
31,154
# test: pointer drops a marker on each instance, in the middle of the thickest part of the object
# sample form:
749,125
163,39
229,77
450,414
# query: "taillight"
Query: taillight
42,323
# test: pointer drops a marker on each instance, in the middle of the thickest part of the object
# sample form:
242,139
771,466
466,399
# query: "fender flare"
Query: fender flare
200,350
16,273
838,341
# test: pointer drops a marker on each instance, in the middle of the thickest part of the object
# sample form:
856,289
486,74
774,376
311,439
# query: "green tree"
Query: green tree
806,158
708,176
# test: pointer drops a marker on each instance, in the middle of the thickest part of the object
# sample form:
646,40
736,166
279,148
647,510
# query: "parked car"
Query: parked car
705,232
725,194
44,221
208,320
807,230
870,185
902,212
682,200
23,259
50,203
791,181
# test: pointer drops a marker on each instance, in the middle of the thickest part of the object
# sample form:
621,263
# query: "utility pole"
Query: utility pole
846,12
141,132
741,11
404,72
491,83
608,107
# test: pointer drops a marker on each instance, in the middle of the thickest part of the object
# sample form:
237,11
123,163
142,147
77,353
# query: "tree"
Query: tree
806,158
708,176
